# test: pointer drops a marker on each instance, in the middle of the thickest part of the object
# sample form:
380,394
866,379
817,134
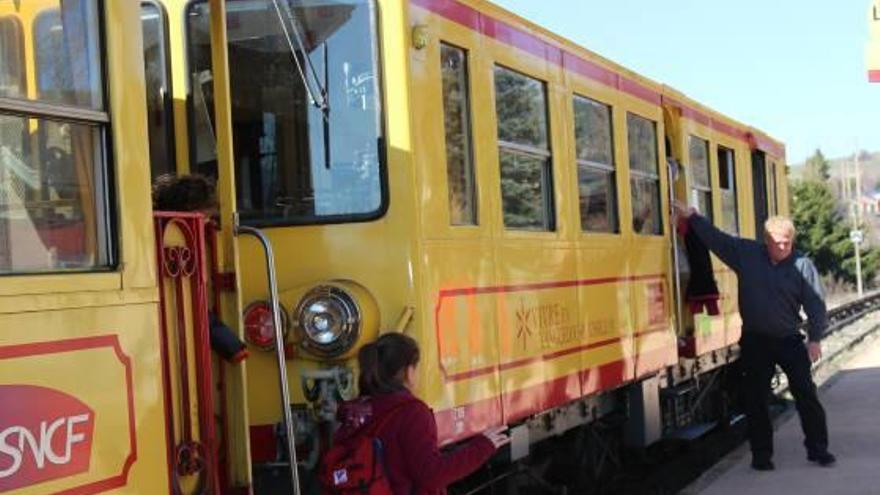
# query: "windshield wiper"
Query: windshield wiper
322,102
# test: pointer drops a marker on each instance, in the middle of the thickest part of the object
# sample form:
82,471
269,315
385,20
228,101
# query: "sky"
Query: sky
795,70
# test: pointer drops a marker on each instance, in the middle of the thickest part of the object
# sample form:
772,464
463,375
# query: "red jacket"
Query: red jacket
413,461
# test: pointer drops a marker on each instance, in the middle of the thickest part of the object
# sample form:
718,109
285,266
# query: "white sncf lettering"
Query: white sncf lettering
16,441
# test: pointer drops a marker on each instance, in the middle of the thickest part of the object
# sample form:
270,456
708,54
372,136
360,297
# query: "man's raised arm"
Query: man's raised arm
724,245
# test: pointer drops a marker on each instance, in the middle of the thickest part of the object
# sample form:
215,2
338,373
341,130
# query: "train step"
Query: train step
692,432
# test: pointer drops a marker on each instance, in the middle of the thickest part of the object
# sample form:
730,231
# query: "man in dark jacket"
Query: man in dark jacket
774,283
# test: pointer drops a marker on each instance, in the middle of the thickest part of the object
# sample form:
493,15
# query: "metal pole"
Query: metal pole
673,174
279,349
858,196
858,246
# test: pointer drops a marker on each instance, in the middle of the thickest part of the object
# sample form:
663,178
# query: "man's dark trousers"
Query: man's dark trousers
759,357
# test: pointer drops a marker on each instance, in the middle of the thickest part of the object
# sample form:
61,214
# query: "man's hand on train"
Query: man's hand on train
815,350
681,210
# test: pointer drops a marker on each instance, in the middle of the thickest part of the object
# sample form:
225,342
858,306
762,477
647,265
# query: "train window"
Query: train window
524,151
727,184
644,175
595,164
701,183
160,122
306,108
774,200
68,67
12,75
54,190
459,150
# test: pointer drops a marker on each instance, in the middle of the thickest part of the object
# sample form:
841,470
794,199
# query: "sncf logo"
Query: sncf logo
44,435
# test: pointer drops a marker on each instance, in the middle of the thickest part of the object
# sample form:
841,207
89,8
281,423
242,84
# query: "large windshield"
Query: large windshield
305,108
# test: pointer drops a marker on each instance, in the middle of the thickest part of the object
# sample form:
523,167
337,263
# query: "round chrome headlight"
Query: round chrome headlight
330,320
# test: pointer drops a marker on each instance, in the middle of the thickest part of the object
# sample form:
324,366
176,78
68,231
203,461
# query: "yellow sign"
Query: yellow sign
872,53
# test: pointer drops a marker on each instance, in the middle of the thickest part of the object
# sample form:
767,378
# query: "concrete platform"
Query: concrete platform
852,402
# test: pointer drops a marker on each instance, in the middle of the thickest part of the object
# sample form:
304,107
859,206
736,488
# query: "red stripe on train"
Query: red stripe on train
533,44
470,419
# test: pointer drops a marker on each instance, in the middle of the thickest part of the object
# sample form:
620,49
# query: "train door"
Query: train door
759,191
678,192
208,447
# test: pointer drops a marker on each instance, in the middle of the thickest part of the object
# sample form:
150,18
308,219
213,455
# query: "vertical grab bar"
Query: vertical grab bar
672,169
279,348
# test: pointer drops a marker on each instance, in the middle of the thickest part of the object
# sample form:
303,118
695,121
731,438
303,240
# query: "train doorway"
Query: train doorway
759,191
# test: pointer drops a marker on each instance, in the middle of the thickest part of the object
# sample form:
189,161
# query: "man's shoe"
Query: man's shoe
763,465
824,459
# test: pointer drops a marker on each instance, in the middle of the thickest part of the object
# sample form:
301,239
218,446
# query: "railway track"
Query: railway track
846,313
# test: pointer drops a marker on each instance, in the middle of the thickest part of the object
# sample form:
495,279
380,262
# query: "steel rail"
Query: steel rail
846,313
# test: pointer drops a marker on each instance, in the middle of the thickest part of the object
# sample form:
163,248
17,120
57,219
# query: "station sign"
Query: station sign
872,52
856,236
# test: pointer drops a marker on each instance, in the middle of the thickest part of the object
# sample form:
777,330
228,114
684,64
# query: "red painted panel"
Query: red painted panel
45,434
590,70
452,10
467,420
525,402
874,76
263,443
638,90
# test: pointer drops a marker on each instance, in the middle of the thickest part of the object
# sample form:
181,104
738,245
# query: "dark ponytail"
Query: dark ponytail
384,362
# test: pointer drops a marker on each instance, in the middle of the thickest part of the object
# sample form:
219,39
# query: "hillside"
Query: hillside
870,162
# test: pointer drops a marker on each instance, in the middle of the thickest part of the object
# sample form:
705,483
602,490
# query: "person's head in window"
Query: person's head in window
193,192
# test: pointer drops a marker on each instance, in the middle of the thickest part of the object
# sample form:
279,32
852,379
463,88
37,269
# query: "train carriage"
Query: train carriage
442,168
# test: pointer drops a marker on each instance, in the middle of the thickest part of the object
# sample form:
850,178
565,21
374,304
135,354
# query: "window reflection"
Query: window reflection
49,215
12,74
295,163
524,151
595,161
727,186
160,114
644,178
67,54
53,171
457,124
701,185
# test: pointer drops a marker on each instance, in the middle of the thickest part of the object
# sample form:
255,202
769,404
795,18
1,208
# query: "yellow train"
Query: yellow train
442,168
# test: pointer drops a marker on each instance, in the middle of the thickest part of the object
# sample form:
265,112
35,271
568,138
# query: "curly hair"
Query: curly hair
185,193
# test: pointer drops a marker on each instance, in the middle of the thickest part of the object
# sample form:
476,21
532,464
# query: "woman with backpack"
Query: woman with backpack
388,427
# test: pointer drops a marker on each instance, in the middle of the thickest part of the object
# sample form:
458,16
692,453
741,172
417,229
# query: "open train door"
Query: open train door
759,191
677,192
212,154
232,240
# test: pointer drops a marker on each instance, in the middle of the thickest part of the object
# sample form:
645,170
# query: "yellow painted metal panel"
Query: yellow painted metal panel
108,359
127,97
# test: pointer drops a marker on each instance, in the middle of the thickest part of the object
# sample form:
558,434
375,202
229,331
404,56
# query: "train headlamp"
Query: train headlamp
330,320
